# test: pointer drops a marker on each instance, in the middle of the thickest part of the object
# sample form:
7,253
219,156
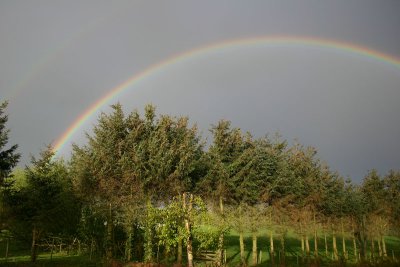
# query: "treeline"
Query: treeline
148,188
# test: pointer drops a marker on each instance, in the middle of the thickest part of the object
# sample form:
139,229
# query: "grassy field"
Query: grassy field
294,255
18,254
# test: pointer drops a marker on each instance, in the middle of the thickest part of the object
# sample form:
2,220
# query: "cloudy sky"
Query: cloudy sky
57,58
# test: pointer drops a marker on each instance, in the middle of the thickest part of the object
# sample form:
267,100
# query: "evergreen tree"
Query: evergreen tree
377,210
392,187
131,164
98,169
46,204
8,155
8,160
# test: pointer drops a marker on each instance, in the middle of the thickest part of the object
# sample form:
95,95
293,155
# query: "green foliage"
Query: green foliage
46,201
392,185
8,156
129,160
133,171
127,152
19,179
206,237
233,174
171,224
165,226
373,190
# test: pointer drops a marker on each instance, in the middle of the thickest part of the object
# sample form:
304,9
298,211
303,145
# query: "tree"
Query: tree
165,160
131,164
238,221
216,187
377,210
98,168
392,188
8,156
255,213
307,191
234,177
226,147
46,205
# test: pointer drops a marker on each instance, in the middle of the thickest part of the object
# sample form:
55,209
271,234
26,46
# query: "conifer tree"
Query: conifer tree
392,185
8,155
131,164
46,204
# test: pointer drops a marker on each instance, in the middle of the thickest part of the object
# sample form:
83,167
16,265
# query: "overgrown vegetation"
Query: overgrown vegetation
147,189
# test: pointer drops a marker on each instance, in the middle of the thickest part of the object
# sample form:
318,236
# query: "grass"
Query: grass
19,253
57,260
293,250
294,255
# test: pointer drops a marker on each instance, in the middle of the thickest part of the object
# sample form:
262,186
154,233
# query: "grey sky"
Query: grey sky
58,57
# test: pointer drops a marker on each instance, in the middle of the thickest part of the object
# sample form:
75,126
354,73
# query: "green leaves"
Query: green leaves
45,200
130,160
148,153
8,156
243,169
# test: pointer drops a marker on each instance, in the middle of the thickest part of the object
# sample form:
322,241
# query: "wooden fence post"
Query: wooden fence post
52,247
8,241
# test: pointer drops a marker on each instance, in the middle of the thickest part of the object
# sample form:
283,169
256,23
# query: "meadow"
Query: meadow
19,254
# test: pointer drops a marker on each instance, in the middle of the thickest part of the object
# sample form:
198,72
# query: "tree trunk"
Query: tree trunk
372,250
315,238
379,247
8,242
334,247
271,241
326,245
109,242
254,248
363,240
241,242
220,247
384,246
302,245
91,249
221,205
52,248
148,237
307,246
344,247
355,248
271,244
179,256
33,246
128,244
283,256
343,241
189,247
315,244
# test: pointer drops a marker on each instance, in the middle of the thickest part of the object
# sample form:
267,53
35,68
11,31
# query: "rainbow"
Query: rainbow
263,40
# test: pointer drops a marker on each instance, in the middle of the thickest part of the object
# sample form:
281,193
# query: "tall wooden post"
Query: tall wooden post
221,236
189,246
8,241
109,252
33,246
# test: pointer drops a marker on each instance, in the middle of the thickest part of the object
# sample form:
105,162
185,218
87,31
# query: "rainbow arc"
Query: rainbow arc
204,50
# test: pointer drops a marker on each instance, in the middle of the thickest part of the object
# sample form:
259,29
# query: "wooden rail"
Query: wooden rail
210,257
207,255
